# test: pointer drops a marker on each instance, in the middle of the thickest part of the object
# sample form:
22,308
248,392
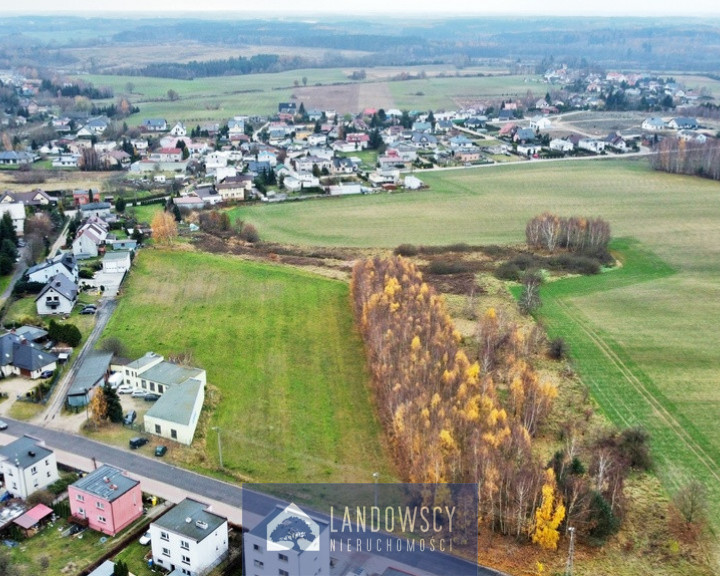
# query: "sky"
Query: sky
692,8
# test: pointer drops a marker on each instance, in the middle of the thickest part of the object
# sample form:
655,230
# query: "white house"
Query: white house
268,548
561,145
87,239
116,261
654,124
540,123
591,145
178,130
189,539
59,296
27,465
62,264
19,357
17,213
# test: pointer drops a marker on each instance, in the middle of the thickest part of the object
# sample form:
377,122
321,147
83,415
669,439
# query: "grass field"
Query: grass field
279,345
655,332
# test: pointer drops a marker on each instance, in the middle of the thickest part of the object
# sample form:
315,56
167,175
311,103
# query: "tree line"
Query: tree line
679,156
241,65
575,234
438,402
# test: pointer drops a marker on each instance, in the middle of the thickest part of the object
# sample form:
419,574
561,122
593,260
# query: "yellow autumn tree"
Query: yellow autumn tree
164,228
549,515
98,408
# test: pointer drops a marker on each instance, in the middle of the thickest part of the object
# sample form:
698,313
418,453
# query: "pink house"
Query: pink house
106,499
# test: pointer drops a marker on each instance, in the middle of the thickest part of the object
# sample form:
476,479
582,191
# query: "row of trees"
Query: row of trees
443,415
575,234
679,156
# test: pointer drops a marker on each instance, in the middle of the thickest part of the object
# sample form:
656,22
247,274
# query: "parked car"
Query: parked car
138,393
3,425
137,442
125,389
151,397
130,417
145,538
88,311
160,450
47,373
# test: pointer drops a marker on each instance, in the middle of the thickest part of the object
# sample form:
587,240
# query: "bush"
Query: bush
508,271
24,287
558,349
66,333
576,263
442,267
406,250
250,234
86,274
634,444
605,523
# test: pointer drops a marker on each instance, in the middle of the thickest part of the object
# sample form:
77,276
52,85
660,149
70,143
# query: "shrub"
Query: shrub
635,447
508,271
85,274
406,250
558,349
442,267
250,234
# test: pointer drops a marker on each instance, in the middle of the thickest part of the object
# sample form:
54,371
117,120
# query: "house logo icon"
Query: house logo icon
292,529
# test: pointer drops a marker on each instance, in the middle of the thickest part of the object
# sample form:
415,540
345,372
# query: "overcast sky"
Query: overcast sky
408,7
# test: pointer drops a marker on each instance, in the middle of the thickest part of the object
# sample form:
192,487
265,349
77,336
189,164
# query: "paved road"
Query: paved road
104,312
174,483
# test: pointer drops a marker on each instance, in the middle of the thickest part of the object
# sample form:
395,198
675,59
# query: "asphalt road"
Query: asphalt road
174,483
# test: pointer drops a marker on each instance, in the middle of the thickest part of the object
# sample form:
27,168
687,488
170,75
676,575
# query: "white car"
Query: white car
145,538
138,393
125,389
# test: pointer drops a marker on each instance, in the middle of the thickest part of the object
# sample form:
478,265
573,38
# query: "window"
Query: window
33,470
101,519
157,429
173,434
47,462
283,572
48,474
257,547
282,558
100,505
80,498
152,386
259,564
166,551
160,388
184,545
164,536
186,559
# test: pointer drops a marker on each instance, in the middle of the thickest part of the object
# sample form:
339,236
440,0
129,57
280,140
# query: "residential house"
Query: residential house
89,237
506,115
20,357
561,145
178,130
121,244
154,125
106,500
189,539
540,123
94,127
424,140
266,552
61,264
96,209
476,122
359,139
27,466
422,127
81,197
17,213
59,296
33,198
191,202
683,123
413,183
166,155
524,135
209,195
591,145
654,124
528,149
616,142
12,158
235,188
114,158
66,161
468,154
236,127
287,108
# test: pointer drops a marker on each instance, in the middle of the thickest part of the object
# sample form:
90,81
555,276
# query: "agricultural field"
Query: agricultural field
650,323
280,347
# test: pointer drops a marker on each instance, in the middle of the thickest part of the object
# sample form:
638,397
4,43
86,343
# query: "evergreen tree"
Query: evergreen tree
114,407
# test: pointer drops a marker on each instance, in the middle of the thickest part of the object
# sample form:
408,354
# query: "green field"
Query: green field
279,345
653,333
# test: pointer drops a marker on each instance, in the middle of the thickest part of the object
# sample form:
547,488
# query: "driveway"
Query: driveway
14,388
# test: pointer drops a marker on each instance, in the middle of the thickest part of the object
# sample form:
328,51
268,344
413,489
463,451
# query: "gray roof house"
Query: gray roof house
94,369
57,297
20,357
27,465
62,264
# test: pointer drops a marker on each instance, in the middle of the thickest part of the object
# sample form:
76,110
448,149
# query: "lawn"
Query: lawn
281,348
643,336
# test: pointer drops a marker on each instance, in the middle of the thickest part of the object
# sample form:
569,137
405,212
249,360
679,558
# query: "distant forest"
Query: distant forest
657,44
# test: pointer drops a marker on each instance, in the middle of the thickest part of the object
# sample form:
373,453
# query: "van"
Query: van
137,442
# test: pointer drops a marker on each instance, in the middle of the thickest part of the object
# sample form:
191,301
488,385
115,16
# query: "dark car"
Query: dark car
137,442
151,397
46,374
160,450
88,311
130,417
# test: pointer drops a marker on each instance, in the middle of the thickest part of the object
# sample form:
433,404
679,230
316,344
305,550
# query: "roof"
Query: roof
116,255
62,285
96,206
27,357
177,403
105,569
170,373
143,361
107,482
30,333
191,519
94,368
67,260
33,516
25,452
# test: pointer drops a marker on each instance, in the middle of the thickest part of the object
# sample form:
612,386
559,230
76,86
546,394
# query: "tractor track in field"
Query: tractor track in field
639,387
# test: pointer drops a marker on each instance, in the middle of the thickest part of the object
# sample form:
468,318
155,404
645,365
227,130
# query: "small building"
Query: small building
176,413
116,261
97,209
106,500
189,539
31,521
59,296
27,466
95,369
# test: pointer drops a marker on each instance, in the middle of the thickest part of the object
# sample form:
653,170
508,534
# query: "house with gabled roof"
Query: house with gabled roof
59,296
106,500
154,125
27,465
20,357
64,264
189,539
33,198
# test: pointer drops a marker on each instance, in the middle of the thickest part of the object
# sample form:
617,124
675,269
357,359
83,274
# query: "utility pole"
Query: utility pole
376,475
571,552
217,429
